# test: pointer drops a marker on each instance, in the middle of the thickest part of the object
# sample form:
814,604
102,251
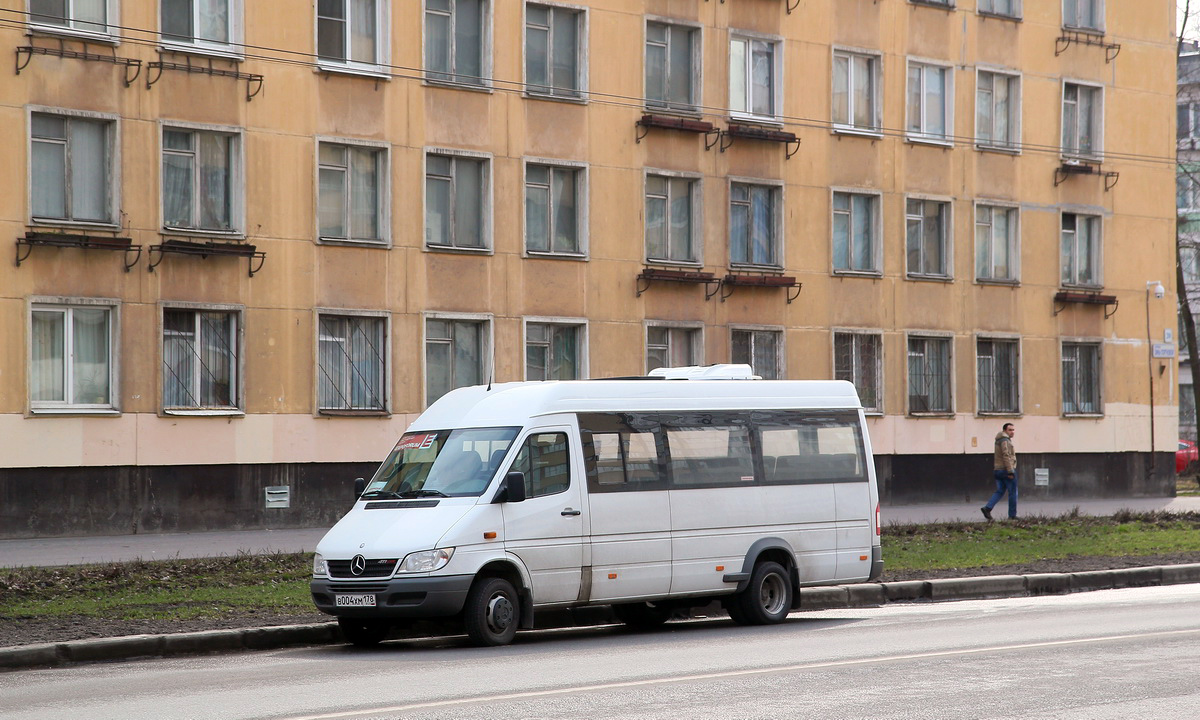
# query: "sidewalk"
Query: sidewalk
45,552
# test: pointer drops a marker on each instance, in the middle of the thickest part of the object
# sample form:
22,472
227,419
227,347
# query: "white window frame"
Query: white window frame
948,338
237,180
1014,80
482,84
237,371
876,231
922,134
579,93
1013,240
110,34
67,405
695,229
696,329
581,171
1016,13
778,201
1072,22
386,358
486,209
112,172
947,239
487,363
1097,343
378,68
233,48
878,379
776,111
695,65
581,341
1017,380
383,190
780,344
1069,153
875,74
1097,249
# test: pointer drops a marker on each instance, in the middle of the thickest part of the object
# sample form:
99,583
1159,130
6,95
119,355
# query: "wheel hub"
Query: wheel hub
499,613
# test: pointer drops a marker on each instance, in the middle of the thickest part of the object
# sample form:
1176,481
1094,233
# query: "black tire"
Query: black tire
768,598
643,616
492,612
733,606
362,632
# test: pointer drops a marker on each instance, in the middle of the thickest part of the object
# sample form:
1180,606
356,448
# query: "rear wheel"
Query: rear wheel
492,612
642,615
768,597
364,632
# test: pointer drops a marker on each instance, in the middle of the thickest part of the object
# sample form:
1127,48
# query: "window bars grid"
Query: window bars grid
351,363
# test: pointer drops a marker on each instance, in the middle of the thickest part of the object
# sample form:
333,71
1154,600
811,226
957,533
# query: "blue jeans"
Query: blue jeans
1004,484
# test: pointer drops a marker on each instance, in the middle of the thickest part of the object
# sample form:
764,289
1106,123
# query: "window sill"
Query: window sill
65,32
1098,32
662,262
375,72
225,53
210,234
1083,416
68,410
185,412
998,281
868,274
1000,149
580,99
772,120
539,255
354,413
934,140
458,85
999,413
999,16
380,244
687,112
74,224
1075,158
949,6
947,279
1064,287
932,414
869,412
853,131
452,249
751,267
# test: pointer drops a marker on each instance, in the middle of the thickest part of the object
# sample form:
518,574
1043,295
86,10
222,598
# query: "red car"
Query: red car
1187,454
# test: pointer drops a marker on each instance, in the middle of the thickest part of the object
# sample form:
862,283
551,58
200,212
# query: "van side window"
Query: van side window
544,460
710,455
813,449
620,452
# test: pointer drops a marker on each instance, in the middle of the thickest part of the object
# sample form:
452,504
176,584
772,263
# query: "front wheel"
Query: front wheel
492,612
364,633
768,597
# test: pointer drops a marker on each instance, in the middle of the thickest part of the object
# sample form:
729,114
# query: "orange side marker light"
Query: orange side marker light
489,535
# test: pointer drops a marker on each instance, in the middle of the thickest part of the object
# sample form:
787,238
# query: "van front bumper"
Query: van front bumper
418,597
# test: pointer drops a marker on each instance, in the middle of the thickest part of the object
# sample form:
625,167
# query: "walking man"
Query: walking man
1005,472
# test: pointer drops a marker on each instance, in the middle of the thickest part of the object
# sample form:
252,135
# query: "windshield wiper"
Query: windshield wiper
381,493
422,493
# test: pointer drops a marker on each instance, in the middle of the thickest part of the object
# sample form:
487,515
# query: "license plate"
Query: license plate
354,600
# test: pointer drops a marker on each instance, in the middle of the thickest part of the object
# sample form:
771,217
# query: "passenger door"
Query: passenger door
546,530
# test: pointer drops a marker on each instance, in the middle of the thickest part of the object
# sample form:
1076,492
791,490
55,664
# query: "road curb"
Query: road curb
811,598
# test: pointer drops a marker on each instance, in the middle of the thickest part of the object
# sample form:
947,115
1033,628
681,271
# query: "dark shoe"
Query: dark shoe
987,512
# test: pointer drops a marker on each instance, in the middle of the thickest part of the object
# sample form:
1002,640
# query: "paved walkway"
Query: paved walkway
45,552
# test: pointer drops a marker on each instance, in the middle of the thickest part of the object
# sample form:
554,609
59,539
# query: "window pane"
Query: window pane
218,359
935,101
177,190
763,77
656,71
90,15
331,205
365,191
537,217
565,230
362,31
179,359
49,370
681,220
863,223
841,231
914,99
89,171
437,210
740,348
565,353
53,12
437,44
841,89
49,177
656,226
331,39
537,59
468,357
864,92
215,165
468,39
177,20
737,76
89,367
468,203
681,67
214,20
566,50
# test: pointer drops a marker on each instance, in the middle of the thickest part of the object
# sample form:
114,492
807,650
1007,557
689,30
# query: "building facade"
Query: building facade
249,250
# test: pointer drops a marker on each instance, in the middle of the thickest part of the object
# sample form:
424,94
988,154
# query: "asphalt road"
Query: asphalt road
1110,654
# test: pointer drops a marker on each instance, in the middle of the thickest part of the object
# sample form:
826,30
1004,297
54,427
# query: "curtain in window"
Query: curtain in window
215,166
565,353
49,166
537,208
438,191
214,20
179,359
762,75
49,369
565,222
935,101
178,173
738,100
366,364
681,220
89,171
565,51
217,360
864,92
332,201
364,192
679,73
90,357
468,203
762,247
362,32
468,40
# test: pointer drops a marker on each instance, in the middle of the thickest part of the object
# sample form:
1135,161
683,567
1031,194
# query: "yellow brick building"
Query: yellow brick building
251,247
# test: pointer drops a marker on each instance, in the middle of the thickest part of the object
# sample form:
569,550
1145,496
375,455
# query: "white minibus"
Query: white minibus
650,495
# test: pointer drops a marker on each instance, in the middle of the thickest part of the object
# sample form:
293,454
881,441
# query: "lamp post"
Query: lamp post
1156,287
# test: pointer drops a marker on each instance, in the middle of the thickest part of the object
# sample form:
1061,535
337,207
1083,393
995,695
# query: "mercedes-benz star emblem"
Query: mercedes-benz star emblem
358,565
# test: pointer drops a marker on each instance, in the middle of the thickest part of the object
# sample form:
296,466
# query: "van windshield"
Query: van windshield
442,463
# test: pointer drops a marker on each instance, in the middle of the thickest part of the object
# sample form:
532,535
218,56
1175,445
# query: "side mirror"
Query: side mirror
513,488
360,486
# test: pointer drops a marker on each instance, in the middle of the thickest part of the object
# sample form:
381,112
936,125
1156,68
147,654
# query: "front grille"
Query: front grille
358,587
373,569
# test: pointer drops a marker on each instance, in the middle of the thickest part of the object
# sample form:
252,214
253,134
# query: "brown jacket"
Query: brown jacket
1006,456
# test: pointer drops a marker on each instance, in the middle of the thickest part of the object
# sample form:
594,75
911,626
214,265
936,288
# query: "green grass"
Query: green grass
187,589
1010,542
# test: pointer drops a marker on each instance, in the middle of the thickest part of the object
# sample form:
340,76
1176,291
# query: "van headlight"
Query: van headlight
426,560
320,567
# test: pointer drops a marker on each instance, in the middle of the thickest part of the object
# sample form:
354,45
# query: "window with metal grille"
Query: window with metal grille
351,363
759,349
200,359
552,351
997,367
857,358
929,375
1081,379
